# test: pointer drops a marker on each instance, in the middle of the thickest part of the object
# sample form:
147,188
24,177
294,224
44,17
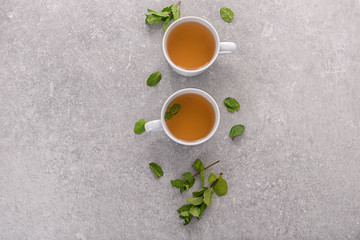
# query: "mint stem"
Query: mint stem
213,184
207,167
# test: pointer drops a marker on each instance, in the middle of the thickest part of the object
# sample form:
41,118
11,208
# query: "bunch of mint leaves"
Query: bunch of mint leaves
166,15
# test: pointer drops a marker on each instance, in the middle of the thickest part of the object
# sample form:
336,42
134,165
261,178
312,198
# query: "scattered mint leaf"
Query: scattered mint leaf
174,109
195,201
139,127
231,104
189,178
160,14
212,178
168,116
166,24
185,214
175,11
154,79
184,208
226,14
195,211
221,187
157,169
202,209
237,130
198,165
152,19
187,219
208,194
167,9
202,178
200,192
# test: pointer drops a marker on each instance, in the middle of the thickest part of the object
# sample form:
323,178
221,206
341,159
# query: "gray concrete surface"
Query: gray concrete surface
72,85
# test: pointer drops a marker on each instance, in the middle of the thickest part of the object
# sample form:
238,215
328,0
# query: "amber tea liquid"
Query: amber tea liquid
195,120
190,45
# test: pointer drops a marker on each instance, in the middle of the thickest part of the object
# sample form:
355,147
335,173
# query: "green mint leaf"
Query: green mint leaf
212,178
168,116
153,79
195,201
174,109
167,9
221,187
202,209
198,165
187,219
166,23
178,183
184,214
157,169
139,127
226,14
175,11
182,189
208,194
184,208
237,130
160,14
189,178
195,211
152,19
231,104
200,192
202,178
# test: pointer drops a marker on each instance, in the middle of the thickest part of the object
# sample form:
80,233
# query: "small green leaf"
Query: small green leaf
221,187
202,209
139,127
195,201
187,219
202,178
166,24
182,189
226,14
157,169
178,183
212,178
168,116
160,14
167,9
208,194
184,214
195,211
237,130
153,79
152,19
184,208
198,165
189,178
200,192
174,109
231,104
175,11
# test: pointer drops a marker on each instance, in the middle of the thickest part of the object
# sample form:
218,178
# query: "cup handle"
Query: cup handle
227,47
154,126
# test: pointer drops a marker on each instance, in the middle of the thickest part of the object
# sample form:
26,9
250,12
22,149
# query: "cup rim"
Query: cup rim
201,93
207,25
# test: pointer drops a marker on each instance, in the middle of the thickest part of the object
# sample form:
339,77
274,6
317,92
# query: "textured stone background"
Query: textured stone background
72,85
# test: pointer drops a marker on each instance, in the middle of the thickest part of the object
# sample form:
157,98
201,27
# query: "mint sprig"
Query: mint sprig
174,109
168,13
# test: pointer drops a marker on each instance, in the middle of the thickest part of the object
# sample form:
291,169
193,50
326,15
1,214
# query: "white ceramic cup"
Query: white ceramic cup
160,125
220,47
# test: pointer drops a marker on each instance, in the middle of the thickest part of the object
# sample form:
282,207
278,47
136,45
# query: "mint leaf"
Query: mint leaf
160,14
166,24
212,178
178,183
152,19
202,209
202,178
174,109
175,11
187,219
184,214
221,187
184,208
208,194
237,130
198,165
157,169
226,14
189,178
153,79
168,116
195,201
167,9
139,127
195,211
231,104
200,192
